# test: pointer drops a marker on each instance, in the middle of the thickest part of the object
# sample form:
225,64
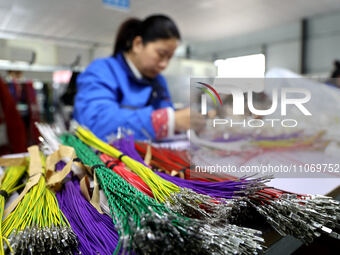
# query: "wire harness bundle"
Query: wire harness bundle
37,225
146,226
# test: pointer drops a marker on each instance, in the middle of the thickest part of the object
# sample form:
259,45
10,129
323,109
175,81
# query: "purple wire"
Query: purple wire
127,146
224,189
278,137
236,138
96,232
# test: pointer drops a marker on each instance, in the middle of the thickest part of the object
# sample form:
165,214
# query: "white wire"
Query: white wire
51,142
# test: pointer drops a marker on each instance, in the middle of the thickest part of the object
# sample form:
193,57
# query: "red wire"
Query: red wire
167,159
170,160
130,177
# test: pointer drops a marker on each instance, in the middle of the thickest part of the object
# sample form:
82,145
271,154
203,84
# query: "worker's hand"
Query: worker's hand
182,120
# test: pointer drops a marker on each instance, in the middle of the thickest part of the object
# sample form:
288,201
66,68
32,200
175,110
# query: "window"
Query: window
251,66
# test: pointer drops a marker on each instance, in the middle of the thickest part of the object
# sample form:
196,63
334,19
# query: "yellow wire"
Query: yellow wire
289,142
11,177
160,187
39,207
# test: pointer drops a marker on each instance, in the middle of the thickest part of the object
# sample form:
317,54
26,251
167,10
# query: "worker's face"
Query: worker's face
153,57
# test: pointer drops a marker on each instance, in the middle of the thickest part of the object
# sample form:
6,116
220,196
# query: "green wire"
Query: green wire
124,200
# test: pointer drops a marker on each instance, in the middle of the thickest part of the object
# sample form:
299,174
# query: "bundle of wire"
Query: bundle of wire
312,141
176,158
254,136
263,146
162,158
160,188
225,189
9,184
149,227
250,147
95,231
36,225
175,162
302,216
124,144
50,143
181,200
119,168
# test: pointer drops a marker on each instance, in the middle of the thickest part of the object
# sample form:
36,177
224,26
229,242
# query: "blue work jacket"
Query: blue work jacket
110,96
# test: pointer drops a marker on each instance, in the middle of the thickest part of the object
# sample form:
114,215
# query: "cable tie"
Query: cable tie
120,157
4,194
96,166
111,166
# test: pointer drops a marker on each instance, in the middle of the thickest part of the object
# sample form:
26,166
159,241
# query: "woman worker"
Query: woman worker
127,89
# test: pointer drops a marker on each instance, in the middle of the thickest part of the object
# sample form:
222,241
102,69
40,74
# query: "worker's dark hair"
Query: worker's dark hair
336,72
151,29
